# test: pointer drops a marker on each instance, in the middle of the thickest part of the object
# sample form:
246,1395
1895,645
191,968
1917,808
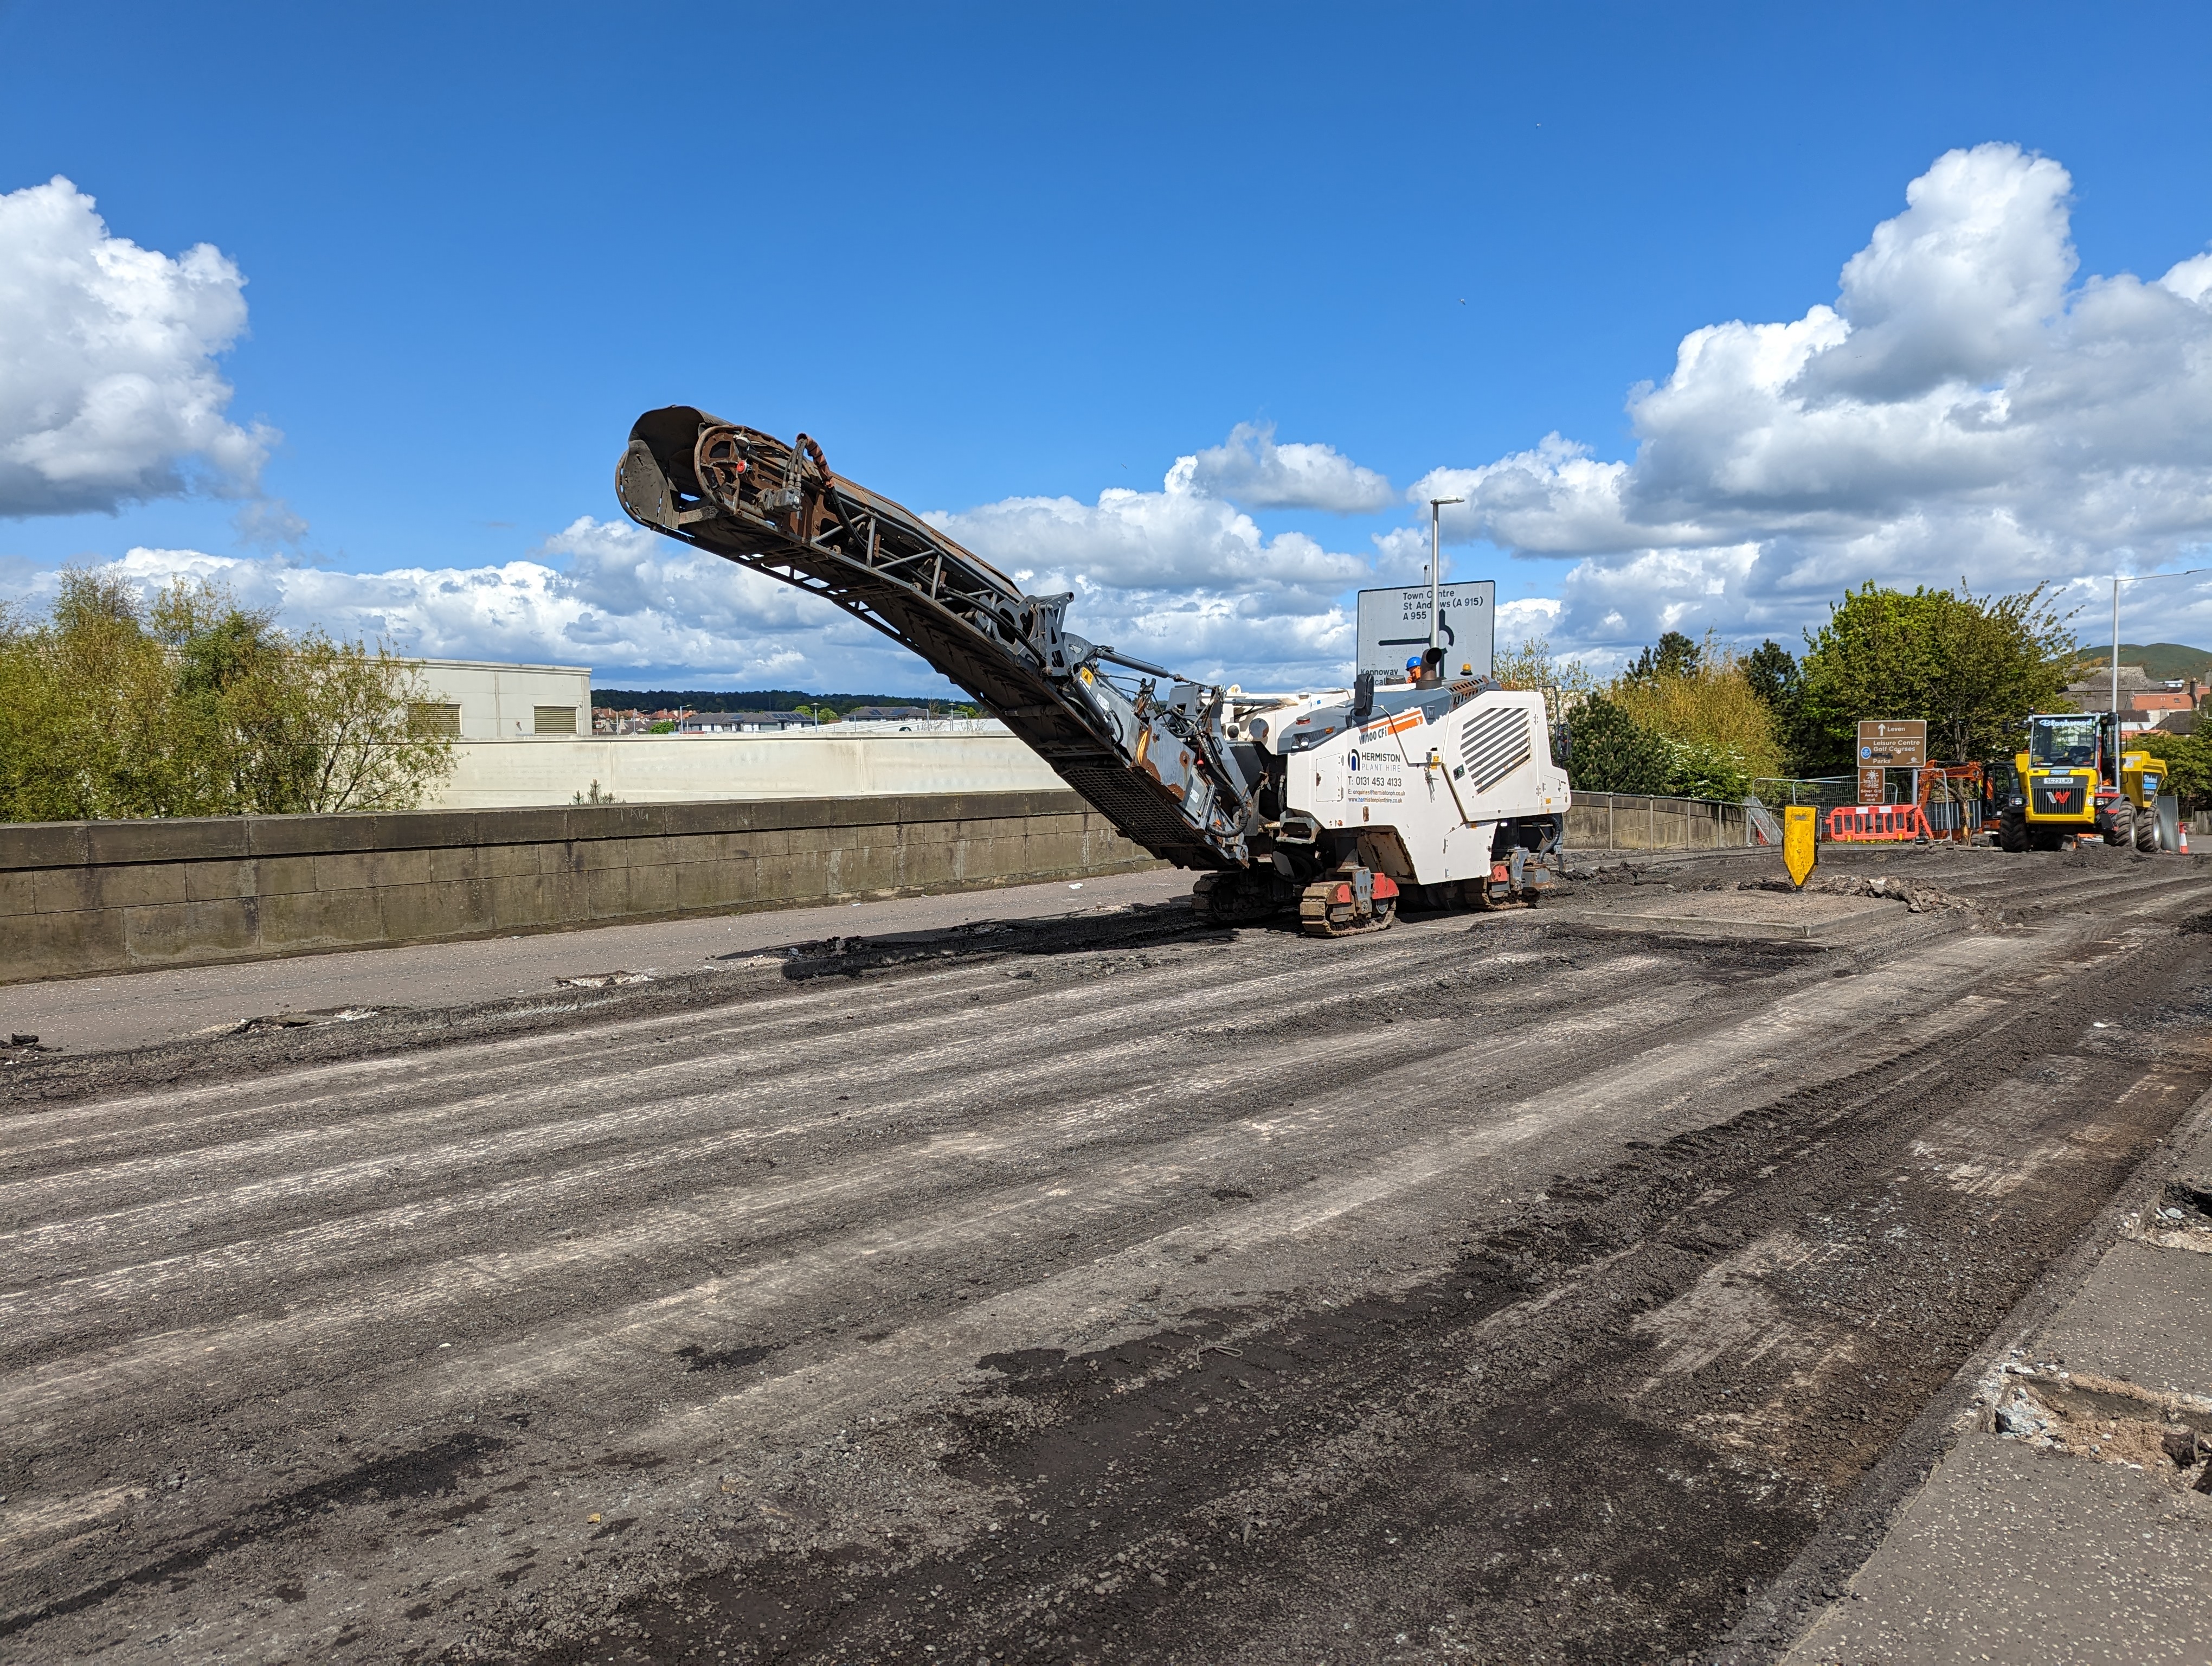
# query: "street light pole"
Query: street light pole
1436,568
2118,580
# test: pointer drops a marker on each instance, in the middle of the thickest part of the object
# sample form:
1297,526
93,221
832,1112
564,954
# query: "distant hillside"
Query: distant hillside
753,699
2162,662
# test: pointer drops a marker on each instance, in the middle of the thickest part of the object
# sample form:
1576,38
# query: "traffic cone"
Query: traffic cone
2184,838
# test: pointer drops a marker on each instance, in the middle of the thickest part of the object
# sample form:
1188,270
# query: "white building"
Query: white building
843,760
486,700
524,737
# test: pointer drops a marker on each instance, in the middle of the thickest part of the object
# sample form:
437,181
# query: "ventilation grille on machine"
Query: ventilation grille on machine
1494,745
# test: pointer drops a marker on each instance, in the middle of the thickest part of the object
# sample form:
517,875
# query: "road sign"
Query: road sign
1898,743
1393,628
1800,835
1871,785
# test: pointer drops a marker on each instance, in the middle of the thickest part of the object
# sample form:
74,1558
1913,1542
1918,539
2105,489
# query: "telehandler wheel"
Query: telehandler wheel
2124,830
2012,831
2146,831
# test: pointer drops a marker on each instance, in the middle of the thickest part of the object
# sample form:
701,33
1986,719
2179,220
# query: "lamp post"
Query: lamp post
2119,579
1436,567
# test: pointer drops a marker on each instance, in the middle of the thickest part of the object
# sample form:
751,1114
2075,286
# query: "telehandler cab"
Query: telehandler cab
2074,781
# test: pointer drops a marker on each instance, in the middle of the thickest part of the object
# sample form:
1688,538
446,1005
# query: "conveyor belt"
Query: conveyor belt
777,507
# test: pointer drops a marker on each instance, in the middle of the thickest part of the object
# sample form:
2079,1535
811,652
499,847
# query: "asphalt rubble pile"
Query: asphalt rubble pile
1918,898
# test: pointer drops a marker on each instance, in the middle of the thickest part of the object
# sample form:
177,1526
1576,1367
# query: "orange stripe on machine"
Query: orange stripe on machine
1397,724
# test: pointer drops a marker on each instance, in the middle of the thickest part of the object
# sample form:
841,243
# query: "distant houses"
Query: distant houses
743,722
618,721
2146,702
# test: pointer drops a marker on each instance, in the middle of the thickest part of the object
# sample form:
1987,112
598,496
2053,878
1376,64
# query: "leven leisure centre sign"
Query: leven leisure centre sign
1888,743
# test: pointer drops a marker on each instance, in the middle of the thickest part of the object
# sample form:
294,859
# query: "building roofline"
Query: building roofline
494,665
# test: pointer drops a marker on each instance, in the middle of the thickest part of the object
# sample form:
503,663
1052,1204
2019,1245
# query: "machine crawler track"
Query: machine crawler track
1328,909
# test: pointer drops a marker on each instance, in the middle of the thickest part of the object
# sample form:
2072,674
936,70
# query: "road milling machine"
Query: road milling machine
2076,781
1341,804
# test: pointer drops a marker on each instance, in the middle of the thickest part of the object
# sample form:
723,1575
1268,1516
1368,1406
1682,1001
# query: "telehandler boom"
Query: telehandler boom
1337,802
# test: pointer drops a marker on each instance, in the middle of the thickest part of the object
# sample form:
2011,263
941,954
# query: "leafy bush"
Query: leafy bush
1611,752
1698,769
194,706
1701,701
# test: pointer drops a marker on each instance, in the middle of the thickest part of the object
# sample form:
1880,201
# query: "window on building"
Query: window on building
436,717
554,720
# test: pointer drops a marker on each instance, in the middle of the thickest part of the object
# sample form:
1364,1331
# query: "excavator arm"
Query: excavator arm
1157,764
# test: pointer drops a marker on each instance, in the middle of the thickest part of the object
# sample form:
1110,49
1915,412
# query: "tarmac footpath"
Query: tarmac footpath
2070,1519
145,1008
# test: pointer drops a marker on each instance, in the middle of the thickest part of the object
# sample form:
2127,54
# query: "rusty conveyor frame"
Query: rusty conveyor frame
776,508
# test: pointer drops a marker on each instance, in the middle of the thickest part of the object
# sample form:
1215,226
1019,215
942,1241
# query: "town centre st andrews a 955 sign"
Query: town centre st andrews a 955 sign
1393,628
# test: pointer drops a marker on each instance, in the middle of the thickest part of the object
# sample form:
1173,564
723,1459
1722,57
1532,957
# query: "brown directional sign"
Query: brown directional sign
1896,742
1871,785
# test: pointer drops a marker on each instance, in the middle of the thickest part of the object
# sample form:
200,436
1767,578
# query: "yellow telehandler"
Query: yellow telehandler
2076,781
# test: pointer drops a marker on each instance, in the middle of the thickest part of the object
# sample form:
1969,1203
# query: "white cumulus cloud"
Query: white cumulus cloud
1181,576
1250,468
108,387
1964,408
633,607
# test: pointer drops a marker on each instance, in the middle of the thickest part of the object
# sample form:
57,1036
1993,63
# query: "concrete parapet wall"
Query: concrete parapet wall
78,898
1623,821
848,760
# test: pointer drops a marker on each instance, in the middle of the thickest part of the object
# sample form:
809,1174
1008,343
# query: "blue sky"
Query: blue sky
1001,260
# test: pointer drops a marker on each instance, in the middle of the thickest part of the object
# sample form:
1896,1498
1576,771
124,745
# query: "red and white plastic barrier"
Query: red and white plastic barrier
1869,823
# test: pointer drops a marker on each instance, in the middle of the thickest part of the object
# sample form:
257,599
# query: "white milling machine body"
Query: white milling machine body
1337,803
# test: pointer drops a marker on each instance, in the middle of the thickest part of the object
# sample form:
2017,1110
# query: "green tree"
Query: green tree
1610,753
2188,760
1533,666
1676,655
1973,666
85,711
1698,699
361,733
195,706
1774,678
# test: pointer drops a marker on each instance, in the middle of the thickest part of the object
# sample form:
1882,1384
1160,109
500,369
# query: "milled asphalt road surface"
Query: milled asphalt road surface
1512,1288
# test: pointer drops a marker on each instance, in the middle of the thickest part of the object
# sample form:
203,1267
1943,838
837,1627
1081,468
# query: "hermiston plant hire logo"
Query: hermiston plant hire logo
1352,758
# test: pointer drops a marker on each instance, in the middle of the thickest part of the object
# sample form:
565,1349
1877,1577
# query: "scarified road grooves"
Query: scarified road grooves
1101,1289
